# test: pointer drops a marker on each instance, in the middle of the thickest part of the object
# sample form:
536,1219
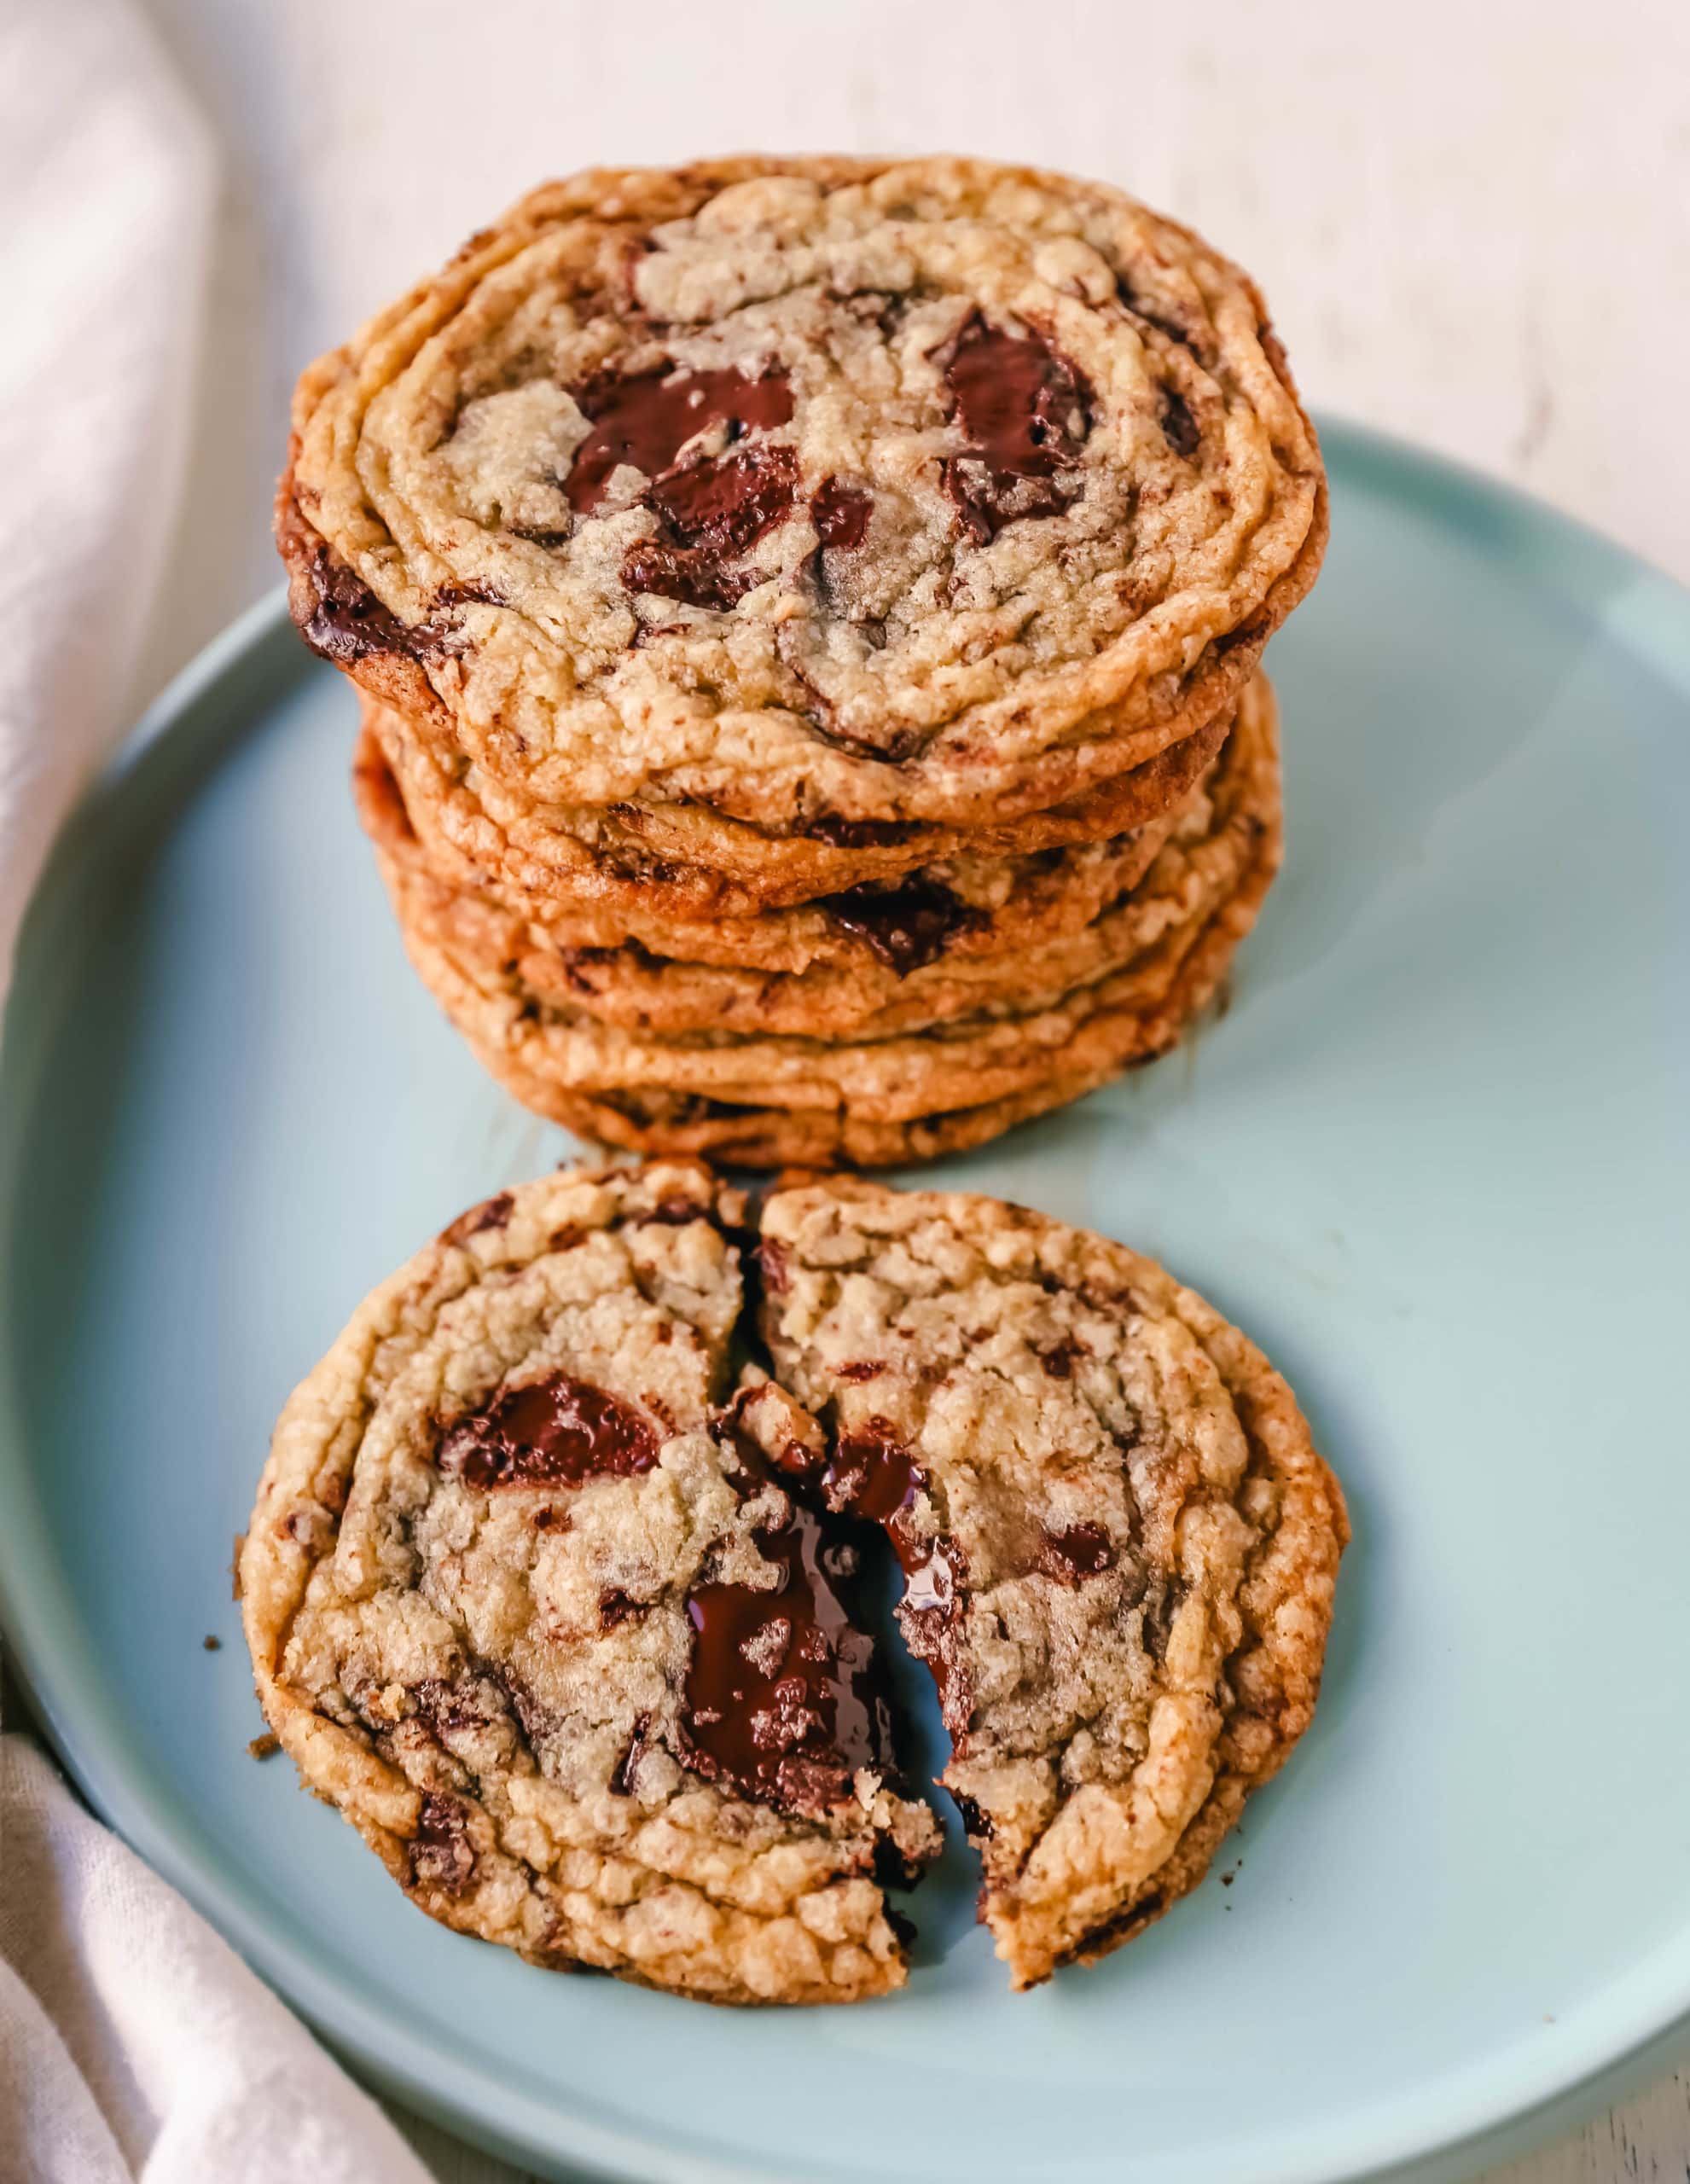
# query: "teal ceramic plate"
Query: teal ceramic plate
1434,1159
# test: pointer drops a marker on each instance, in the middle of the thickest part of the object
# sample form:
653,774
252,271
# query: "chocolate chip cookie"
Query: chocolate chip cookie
1119,1545
635,862
808,495
555,1591
775,1097
529,1600
972,938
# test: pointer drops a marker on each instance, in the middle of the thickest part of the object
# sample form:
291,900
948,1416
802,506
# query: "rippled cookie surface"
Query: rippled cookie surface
808,491
1119,1544
528,1600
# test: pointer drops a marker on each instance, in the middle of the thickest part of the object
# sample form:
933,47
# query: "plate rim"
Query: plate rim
1549,546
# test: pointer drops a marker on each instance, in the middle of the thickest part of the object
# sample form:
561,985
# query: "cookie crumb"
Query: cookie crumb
212,1643
264,1747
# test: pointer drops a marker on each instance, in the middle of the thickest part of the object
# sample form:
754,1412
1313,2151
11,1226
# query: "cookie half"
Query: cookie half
799,492
1119,1543
528,1602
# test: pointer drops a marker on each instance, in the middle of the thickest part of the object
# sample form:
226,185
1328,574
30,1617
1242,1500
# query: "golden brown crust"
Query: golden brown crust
637,862
746,1127
433,1650
1050,657
1140,1542
981,941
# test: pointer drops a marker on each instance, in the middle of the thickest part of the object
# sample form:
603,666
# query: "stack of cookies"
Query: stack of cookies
807,615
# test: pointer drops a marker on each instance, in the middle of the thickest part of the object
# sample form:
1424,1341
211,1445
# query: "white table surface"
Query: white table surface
1472,219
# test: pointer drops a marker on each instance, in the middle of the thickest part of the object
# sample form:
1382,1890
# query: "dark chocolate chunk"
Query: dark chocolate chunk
648,418
441,1854
1178,427
781,1698
840,514
713,512
491,1213
555,1431
1026,411
871,1475
906,925
346,622
1076,1552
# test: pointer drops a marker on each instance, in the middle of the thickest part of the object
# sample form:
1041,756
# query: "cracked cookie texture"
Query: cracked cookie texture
554,1592
1120,1546
514,1532
786,493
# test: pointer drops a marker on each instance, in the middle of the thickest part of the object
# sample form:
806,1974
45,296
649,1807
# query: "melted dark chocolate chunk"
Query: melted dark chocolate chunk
781,1697
647,419
1026,410
347,623
674,1212
1076,1552
973,1818
1178,427
558,1431
840,514
710,509
870,1474
935,1573
906,925
491,1213
713,513
441,1855
725,507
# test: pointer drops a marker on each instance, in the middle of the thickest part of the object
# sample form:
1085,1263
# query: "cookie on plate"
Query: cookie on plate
527,1601
1119,1543
797,494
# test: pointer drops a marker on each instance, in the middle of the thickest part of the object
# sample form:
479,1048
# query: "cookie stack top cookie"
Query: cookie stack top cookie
760,507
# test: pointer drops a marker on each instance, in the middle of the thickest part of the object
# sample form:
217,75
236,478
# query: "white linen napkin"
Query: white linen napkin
107,186
135,2046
